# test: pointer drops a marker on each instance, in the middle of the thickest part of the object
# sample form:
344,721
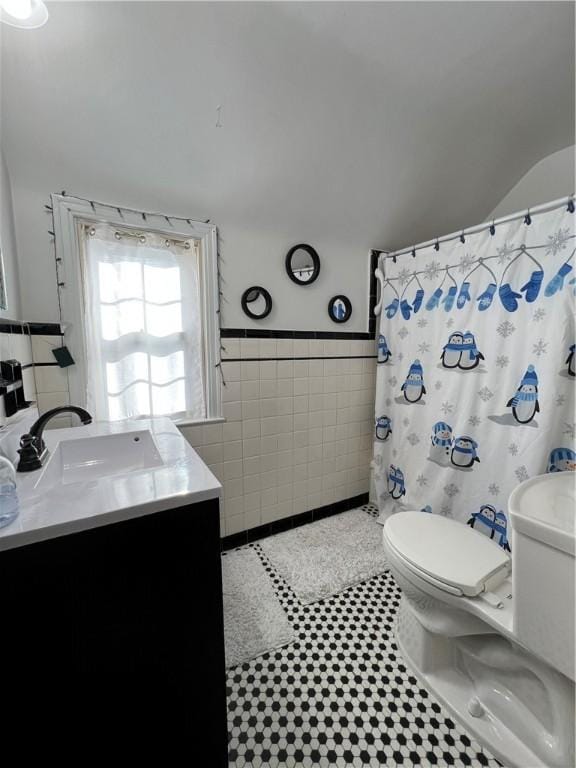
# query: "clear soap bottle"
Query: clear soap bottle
9,506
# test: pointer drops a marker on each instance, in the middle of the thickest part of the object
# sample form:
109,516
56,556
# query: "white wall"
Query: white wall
8,245
550,179
253,253
349,126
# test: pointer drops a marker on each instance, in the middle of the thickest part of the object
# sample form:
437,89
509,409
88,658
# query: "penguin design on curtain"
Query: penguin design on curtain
480,390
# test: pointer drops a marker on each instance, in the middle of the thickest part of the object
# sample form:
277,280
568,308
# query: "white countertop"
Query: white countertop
46,513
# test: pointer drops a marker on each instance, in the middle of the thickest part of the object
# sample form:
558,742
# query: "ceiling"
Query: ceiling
382,123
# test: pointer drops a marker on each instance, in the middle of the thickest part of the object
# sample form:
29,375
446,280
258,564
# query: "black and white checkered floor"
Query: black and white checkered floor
340,695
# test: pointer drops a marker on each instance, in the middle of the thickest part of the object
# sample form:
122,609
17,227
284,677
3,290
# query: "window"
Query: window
141,314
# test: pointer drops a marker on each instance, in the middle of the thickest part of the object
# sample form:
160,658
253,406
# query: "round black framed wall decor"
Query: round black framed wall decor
256,302
340,309
302,264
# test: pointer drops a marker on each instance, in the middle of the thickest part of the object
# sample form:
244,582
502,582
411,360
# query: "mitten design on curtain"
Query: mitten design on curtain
557,282
485,298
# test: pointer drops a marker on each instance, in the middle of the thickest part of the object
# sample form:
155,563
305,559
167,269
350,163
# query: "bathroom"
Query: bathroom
287,375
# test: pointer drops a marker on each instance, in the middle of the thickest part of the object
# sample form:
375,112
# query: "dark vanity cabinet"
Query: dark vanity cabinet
112,640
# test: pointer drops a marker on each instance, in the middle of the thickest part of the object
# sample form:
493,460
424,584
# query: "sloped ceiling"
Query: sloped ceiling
383,123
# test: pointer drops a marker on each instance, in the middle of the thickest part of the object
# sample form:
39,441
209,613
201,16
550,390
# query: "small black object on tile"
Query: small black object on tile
63,356
12,387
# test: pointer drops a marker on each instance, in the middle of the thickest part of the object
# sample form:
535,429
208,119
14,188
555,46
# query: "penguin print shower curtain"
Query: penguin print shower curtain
476,370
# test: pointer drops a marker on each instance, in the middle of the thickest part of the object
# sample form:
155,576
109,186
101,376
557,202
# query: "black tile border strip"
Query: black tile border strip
265,333
294,521
280,359
30,329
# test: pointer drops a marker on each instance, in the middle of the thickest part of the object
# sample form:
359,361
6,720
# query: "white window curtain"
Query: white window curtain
142,324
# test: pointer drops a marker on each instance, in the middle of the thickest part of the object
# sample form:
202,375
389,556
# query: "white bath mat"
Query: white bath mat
323,558
254,620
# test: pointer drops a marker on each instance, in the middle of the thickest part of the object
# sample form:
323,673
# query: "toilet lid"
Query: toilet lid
447,551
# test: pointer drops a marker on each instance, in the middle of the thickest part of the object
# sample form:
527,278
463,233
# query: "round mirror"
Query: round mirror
302,264
256,302
340,309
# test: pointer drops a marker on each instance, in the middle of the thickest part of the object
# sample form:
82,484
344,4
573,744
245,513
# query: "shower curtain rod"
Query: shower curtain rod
569,201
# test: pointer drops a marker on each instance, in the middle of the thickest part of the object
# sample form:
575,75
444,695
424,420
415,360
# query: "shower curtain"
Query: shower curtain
475,376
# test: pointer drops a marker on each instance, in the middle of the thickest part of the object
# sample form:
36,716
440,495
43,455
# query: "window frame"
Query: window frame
69,215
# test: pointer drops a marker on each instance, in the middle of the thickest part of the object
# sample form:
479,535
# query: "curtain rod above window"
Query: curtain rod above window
141,237
491,225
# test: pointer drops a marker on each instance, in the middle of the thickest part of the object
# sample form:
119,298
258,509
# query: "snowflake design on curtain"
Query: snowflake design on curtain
504,252
506,329
514,338
540,348
404,276
522,474
432,270
466,263
557,241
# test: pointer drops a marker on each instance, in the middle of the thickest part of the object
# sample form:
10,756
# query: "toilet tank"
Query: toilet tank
542,514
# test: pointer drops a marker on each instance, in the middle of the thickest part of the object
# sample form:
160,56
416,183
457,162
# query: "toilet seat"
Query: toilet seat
447,554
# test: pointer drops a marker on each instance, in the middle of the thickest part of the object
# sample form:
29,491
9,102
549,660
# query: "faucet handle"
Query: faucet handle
29,458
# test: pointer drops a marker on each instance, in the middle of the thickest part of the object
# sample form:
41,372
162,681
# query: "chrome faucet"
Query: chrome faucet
33,451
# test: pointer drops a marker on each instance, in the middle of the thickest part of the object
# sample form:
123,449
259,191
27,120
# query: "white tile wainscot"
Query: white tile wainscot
298,432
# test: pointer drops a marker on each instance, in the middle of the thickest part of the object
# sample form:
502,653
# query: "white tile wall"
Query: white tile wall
298,433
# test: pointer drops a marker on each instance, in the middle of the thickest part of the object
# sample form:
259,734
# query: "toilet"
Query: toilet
490,634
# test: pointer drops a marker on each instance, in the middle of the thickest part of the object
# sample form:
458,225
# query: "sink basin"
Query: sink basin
92,458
